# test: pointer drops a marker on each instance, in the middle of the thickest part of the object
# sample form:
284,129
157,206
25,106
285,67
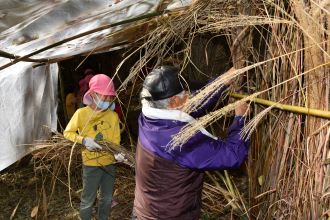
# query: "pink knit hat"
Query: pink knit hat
101,84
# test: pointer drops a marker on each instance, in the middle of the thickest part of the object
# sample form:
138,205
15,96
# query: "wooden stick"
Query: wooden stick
56,60
13,56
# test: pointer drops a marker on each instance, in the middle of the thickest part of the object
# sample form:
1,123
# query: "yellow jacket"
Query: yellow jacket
72,102
99,125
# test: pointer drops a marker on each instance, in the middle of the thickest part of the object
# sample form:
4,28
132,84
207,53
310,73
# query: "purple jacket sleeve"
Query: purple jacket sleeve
202,152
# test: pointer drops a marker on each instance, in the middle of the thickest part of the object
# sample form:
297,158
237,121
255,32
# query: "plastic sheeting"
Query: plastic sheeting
28,100
28,96
46,22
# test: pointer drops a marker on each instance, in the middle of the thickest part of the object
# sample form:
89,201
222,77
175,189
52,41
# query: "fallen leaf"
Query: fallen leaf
34,211
14,211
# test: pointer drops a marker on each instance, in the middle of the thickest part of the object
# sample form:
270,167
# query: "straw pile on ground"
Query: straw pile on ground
37,191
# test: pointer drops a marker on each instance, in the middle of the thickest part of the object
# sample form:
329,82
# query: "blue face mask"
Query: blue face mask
113,106
103,105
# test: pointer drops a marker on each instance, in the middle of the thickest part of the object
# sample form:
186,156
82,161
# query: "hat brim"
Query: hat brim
87,100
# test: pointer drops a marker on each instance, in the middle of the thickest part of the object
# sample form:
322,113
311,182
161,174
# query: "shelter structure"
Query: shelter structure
279,48
36,35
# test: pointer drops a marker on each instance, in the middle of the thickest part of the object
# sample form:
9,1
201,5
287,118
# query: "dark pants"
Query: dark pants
95,178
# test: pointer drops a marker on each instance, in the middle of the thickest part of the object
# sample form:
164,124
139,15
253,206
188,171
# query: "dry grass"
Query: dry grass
34,188
63,150
282,49
281,52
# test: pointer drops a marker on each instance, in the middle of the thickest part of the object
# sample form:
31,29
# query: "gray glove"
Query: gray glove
90,144
120,157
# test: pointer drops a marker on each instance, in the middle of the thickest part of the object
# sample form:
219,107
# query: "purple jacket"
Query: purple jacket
201,151
169,183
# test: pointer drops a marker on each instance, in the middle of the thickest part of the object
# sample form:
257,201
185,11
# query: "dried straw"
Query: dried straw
283,48
59,148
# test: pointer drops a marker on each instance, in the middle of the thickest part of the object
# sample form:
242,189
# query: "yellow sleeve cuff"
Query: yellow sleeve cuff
79,139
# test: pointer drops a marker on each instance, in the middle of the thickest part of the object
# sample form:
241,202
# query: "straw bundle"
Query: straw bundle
56,152
64,151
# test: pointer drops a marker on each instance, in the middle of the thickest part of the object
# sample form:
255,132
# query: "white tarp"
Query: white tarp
28,95
27,102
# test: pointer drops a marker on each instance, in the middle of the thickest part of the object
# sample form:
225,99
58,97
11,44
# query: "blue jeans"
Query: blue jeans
95,178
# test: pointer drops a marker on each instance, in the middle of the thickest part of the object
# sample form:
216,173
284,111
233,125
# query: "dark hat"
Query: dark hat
89,71
162,82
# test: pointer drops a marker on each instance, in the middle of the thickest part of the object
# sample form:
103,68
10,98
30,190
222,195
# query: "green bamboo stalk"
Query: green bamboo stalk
284,107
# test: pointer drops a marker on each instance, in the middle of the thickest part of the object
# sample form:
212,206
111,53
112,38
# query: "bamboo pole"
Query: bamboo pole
56,60
284,107
13,56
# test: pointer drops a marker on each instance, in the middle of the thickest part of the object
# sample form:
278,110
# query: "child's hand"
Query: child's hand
90,144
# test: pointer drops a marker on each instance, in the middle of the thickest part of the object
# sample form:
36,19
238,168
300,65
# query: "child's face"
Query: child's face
104,98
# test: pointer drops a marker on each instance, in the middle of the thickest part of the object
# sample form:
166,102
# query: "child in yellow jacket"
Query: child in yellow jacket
96,122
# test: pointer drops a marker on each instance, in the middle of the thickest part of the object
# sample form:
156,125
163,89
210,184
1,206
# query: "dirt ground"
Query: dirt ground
23,191
27,191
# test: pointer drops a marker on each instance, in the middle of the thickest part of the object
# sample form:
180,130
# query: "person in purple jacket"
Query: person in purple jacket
169,182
